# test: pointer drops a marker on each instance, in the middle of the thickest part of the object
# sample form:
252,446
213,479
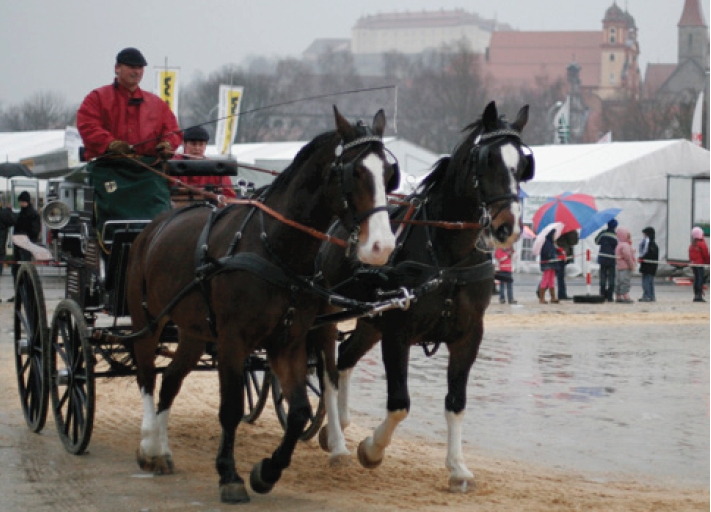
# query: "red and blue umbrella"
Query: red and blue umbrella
572,209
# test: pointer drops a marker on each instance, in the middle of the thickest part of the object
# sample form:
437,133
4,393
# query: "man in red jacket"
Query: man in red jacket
122,124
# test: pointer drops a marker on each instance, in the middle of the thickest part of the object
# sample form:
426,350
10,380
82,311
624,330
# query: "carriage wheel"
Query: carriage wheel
313,391
71,370
30,345
257,379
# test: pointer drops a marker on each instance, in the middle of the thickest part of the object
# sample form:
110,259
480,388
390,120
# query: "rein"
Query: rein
222,200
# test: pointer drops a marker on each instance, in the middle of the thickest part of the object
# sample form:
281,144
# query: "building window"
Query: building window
612,35
612,78
612,57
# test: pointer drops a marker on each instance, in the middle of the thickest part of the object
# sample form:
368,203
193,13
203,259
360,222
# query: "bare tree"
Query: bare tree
44,110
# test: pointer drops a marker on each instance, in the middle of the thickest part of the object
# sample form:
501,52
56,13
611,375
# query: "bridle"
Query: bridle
476,165
344,174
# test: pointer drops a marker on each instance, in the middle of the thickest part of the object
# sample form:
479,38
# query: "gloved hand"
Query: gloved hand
119,147
164,149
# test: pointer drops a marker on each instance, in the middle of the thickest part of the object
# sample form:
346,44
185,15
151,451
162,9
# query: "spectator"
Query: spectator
504,275
699,260
548,266
607,240
624,256
28,223
565,244
7,220
648,258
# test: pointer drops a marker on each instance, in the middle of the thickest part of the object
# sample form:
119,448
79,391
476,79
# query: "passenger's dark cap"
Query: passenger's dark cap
131,57
196,133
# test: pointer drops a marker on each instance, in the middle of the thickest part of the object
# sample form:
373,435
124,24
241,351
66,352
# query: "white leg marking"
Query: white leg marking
336,439
459,474
344,383
381,241
162,421
375,445
150,444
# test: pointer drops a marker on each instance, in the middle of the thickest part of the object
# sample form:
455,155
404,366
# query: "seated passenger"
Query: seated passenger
195,141
119,121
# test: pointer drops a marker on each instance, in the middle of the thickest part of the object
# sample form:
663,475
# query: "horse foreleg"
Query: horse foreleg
461,359
331,436
291,372
395,358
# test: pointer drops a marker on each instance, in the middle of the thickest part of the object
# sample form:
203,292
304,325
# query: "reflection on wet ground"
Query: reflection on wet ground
633,400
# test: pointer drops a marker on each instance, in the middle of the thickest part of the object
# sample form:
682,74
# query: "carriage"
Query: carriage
89,334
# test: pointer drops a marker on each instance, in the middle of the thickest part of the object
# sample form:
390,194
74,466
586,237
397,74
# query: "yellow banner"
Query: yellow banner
230,101
167,87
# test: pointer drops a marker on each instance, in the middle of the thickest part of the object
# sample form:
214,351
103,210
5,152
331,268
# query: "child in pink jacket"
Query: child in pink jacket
625,264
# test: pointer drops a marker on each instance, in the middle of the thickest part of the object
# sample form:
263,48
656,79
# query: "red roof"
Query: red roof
691,16
518,58
655,77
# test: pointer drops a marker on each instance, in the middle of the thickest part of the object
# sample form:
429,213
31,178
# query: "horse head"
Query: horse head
491,163
360,178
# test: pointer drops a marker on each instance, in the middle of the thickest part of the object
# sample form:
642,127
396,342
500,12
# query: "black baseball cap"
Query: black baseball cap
131,57
196,133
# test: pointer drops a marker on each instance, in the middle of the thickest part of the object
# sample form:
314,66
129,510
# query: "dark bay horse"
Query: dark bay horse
243,279
477,184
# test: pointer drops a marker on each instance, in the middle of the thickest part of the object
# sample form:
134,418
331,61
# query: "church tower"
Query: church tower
619,69
693,35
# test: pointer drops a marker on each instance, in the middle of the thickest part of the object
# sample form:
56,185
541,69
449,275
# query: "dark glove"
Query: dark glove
164,149
119,147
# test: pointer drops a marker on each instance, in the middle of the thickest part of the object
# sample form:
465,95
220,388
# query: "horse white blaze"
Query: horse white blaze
376,249
336,439
511,158
459,474
375,445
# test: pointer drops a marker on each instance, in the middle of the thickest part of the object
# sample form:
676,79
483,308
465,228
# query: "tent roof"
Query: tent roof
614,170
14,146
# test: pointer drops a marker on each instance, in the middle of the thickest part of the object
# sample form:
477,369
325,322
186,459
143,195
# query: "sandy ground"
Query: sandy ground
37,474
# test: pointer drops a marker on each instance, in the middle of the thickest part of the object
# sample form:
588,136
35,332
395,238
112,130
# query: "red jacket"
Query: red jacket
106,115
503,256
699,252
222,182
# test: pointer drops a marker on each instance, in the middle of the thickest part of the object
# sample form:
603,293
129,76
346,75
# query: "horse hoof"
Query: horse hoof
339,461
234,493
458,485
255,479
364,460
158,465
323,438
163,465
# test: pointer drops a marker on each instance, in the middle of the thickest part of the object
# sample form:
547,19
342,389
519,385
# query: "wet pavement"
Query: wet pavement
626,398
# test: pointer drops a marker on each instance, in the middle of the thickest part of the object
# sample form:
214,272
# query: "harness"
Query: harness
272,270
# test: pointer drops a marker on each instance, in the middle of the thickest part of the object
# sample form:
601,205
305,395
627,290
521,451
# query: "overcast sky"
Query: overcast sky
69,46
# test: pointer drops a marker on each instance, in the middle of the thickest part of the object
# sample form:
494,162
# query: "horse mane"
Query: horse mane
302,156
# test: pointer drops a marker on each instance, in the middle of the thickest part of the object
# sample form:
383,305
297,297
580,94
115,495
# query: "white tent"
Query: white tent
627,175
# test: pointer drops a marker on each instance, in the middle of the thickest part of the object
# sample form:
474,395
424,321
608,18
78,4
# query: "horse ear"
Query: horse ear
490,118
343,127
521,119
379,122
